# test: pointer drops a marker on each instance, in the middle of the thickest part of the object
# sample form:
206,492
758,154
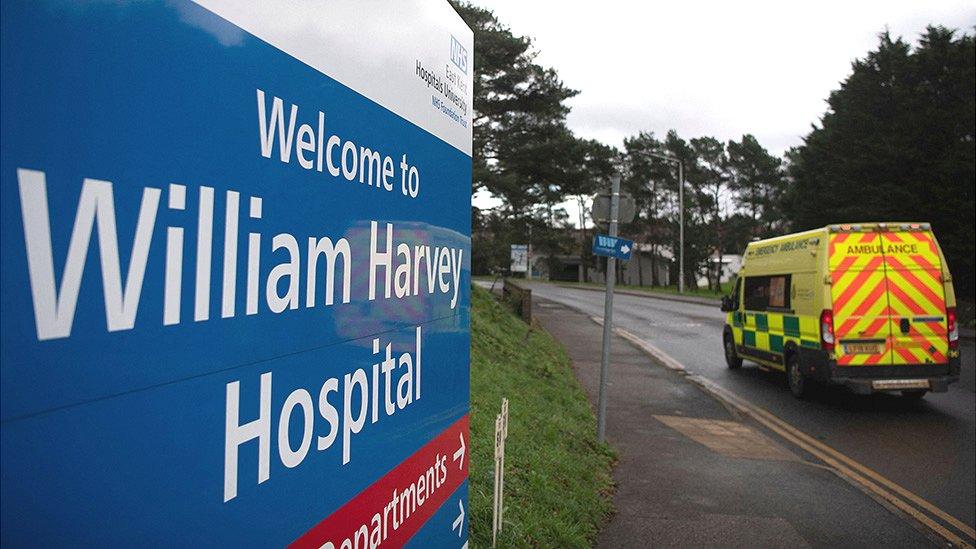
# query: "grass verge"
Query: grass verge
557,476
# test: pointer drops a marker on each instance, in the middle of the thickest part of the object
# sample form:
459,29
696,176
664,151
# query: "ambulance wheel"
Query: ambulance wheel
795,378
731,358
917,394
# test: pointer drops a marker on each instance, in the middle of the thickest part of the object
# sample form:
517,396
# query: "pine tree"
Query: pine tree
897,144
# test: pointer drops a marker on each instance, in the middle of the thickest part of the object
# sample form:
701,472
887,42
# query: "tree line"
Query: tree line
895,144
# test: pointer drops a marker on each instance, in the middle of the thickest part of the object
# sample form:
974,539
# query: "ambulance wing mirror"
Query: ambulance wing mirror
727,304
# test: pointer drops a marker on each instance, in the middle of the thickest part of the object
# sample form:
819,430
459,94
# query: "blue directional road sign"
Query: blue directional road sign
612,246
236,273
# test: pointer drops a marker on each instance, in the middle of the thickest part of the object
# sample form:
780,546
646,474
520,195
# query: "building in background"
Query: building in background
727,265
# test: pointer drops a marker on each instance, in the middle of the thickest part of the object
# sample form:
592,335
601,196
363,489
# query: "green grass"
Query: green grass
557,476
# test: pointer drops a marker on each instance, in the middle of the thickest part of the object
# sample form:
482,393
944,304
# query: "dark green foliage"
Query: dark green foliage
897,144
523,152
519,112
589,175
721,182
757,179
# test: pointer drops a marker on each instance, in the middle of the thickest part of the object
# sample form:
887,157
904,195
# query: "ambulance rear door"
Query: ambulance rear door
916,295
859,294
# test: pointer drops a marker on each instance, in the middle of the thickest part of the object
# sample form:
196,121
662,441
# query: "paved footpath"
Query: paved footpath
692,473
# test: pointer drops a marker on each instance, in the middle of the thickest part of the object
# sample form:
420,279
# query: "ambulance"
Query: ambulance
869,306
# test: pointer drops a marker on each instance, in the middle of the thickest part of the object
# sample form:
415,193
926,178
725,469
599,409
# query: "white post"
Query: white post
501,482
495,494
498,506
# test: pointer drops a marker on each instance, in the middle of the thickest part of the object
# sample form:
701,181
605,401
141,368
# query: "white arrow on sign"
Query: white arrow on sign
625,248
459,454
459,522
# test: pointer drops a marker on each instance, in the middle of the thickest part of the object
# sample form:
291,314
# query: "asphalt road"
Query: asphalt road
928,447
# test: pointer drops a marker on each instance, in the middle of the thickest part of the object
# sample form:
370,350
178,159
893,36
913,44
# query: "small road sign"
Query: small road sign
612,246
520,258
600,212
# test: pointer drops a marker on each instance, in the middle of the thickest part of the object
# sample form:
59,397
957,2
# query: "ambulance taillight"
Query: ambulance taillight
827,330
953,327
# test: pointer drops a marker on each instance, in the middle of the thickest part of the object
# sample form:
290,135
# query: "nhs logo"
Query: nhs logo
459,55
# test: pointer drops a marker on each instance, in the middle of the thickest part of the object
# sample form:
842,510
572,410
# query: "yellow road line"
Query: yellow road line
857,473
961,526
837,460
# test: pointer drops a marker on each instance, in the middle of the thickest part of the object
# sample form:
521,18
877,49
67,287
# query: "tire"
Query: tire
733,360
798,383
916,394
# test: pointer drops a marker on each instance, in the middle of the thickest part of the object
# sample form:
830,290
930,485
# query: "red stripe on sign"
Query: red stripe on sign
892,237
392,509
867,237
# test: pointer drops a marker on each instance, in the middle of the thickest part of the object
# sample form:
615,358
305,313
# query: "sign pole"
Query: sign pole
608,312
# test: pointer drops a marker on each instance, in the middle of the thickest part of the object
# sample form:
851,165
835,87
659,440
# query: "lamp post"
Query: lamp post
681,217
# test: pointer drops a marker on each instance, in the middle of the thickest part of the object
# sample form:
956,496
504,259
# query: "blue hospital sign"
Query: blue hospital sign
612,246
236,278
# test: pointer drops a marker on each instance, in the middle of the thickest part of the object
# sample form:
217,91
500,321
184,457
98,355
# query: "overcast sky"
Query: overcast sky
721,69
711,68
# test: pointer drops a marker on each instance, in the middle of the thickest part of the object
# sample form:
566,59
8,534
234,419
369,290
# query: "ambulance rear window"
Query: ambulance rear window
763,293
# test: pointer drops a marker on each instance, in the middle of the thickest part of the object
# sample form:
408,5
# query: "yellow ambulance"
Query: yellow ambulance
867,305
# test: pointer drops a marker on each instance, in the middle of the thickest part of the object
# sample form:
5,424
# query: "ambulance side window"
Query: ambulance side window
736,291
779,292
757,293
763,293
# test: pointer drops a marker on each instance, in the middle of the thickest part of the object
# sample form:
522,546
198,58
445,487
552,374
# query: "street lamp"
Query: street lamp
681,216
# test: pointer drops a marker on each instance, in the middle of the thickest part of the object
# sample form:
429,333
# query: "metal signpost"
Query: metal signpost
608,306
269,343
